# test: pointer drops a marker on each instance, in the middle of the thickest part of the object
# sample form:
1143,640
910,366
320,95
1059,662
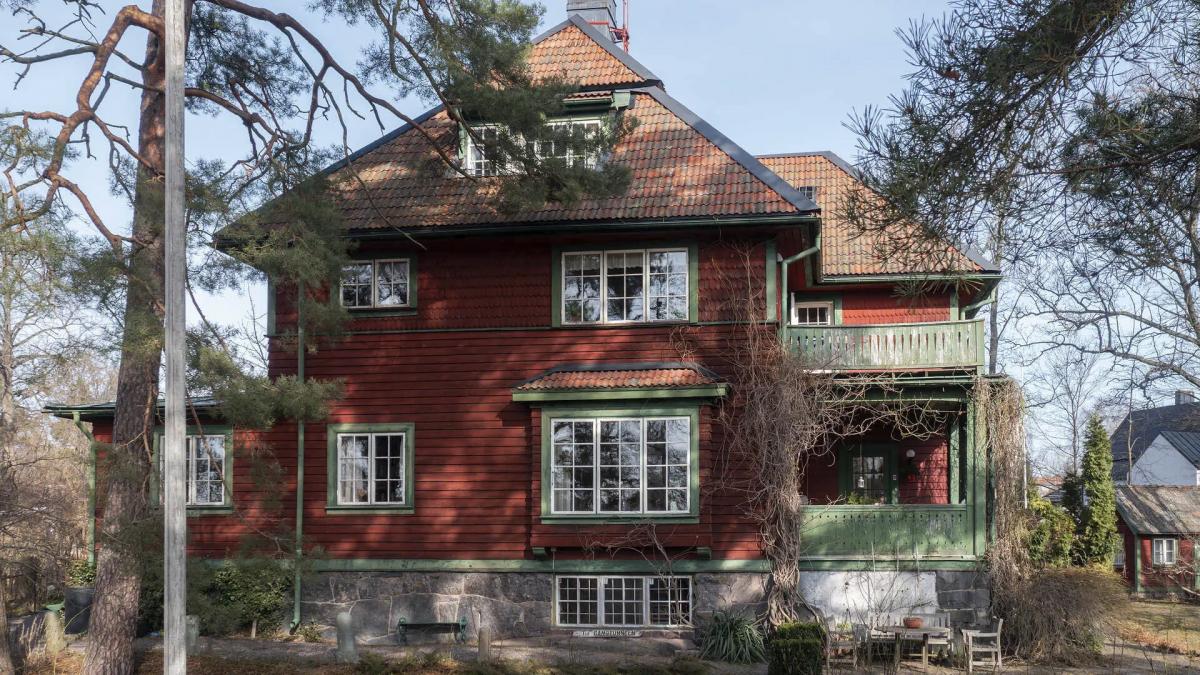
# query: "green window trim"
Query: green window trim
693,253
617,409
889,454
193,430
332,507
409,309
834,299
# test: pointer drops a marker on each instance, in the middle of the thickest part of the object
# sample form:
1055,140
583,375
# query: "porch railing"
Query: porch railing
940,344
904,531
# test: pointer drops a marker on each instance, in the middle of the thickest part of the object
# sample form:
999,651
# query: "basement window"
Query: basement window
623,601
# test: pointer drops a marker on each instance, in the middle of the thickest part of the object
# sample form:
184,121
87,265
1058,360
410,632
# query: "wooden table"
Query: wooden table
922,635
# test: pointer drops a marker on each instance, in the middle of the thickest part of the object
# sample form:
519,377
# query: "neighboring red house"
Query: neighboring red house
1161,524
525,393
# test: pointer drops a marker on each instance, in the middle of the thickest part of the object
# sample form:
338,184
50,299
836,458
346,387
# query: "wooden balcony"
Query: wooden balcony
939,344
888,532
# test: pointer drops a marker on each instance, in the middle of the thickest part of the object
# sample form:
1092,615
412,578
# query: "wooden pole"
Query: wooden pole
174,464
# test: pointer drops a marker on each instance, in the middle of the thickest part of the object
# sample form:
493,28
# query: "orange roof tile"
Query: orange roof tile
845,250
678,171
579,58
620,377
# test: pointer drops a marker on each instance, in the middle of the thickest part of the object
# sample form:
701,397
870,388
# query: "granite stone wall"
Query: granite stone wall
520,604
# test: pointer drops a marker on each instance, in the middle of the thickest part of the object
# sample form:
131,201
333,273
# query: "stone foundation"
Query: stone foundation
520,604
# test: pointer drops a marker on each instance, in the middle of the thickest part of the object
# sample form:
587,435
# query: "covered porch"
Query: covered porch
900,501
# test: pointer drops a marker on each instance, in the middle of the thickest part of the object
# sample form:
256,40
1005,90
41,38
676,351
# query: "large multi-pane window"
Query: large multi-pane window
206,470
624,286
620,466
371,469
561,141
376,283
624,601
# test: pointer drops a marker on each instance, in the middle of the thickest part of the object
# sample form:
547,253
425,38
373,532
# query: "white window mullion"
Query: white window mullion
596,465
370,468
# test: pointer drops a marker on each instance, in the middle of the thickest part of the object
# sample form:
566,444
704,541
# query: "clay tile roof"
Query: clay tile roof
680,168
845,250
570,52
662,376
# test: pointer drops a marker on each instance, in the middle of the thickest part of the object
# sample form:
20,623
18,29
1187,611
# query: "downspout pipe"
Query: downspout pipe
299,553
787,304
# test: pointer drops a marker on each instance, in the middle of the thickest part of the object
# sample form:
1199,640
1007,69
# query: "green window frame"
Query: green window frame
615,412
374,309
332,467
226,506
834,300
558,309
846,473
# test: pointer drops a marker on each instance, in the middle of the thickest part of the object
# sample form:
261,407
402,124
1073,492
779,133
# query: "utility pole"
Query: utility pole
175,248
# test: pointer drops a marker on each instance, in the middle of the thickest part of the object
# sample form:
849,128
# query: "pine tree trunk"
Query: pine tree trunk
6,661
118,571
8,492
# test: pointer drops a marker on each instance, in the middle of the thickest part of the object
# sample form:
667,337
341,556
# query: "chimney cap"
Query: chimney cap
599,13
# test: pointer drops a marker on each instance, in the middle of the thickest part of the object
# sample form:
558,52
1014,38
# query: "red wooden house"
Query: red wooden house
527,396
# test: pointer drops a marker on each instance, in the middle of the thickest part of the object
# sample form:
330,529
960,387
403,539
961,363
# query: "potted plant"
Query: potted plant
913,622
80,587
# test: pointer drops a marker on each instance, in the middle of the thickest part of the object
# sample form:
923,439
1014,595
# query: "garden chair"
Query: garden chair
842,643
985,644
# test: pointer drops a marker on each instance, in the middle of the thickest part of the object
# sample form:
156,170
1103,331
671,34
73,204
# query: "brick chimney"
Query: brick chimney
1183,396
602,14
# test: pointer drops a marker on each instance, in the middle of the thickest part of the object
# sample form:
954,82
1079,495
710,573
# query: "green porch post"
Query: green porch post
1137,564
952,434
977,463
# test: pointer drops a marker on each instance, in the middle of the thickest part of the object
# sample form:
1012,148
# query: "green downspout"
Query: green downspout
91,478
787,301
1137,564
300,349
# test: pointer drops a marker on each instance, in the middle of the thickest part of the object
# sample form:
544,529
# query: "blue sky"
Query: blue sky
773,75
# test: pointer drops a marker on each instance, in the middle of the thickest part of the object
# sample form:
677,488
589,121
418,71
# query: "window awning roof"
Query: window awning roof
621,381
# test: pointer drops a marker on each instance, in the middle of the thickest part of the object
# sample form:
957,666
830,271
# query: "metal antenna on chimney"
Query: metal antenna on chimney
622,33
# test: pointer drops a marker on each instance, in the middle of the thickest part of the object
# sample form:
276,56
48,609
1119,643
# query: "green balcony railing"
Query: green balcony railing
892,531
939,344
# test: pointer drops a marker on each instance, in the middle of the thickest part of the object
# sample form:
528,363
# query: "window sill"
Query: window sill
641,518
342,510
198,511
626,324
370,312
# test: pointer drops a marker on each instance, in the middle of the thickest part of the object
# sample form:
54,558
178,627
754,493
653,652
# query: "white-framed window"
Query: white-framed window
371,468
1164,551
620,465
623,601
625,286
376,283
812,313
809,191
482,158
206,470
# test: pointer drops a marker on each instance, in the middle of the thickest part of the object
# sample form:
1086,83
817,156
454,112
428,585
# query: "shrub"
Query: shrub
796,656
1061,614
799,630
308,632
81,573
732,638
1052,535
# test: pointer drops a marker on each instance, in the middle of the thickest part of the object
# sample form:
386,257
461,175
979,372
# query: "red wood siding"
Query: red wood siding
481,325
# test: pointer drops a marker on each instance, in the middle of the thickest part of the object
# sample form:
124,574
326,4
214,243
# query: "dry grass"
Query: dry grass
1165,626
151,664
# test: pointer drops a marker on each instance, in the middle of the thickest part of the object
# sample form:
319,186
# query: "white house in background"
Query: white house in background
1172,458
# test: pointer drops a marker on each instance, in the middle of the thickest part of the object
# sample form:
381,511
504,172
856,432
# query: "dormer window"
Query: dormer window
482,157
809,191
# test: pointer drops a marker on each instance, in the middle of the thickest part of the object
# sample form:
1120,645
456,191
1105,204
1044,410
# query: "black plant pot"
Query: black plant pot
78,608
